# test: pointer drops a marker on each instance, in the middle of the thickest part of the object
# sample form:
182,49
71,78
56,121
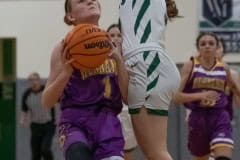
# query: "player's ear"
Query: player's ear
71,18
68,19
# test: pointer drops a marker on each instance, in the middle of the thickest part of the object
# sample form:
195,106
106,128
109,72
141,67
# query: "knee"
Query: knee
78,151
222,158
161,155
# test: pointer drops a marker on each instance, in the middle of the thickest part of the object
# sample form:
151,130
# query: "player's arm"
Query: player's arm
235,77
24,108
232,81
182,97
123,77
58,77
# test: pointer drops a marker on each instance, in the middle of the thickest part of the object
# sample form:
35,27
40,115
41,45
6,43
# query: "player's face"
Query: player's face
207,46
115,35
34,82
219,53
85,11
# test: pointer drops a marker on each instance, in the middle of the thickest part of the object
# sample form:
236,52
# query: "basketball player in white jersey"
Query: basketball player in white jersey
153,76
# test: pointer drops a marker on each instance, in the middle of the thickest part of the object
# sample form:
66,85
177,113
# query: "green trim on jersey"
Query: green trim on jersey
133,3
145,54
134,111
157,112
146,32
153,65
123,2
140,15
152,84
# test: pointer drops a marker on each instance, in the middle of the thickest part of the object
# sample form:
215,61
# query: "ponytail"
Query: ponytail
172,11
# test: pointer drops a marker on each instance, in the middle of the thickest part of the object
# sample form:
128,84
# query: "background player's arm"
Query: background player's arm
182,97
235,77
58,77
24,117
122,74
233,82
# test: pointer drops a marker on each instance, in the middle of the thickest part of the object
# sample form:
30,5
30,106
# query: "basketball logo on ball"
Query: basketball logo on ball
88,45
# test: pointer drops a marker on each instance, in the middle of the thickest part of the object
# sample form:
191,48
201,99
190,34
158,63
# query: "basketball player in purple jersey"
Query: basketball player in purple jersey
209,122
90,101
233,99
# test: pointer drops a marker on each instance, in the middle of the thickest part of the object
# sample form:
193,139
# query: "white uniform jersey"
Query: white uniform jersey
142,25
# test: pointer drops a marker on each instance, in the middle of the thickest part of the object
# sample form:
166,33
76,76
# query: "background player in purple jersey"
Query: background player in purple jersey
90,101
233,99
124,117
209,122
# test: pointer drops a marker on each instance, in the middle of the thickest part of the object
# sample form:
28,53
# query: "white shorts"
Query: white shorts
127,129
153,81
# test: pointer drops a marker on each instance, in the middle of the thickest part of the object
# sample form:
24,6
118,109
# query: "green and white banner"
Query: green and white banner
223,18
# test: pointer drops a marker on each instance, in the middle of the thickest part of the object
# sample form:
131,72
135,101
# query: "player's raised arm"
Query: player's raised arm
58,77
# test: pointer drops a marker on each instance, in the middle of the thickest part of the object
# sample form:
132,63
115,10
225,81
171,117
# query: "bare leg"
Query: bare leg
151,134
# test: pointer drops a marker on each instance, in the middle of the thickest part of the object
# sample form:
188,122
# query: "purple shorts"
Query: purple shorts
101,131
209,129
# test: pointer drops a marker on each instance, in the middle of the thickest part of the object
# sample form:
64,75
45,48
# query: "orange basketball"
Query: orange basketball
88,45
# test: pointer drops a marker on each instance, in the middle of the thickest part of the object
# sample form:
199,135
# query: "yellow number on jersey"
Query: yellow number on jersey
108,89
209,102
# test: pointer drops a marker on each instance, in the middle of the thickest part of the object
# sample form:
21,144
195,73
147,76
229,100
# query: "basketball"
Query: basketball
88,45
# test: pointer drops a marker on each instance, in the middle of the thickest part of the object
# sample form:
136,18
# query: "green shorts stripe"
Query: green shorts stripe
157,112
153,65
152,84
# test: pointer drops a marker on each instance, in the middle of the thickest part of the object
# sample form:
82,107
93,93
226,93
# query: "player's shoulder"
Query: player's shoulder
233,71
58,46
27,92
58,50
189,64
220,63
234,74
187,68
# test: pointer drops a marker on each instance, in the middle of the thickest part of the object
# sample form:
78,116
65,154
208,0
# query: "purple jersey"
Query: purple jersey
202,80
98,87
